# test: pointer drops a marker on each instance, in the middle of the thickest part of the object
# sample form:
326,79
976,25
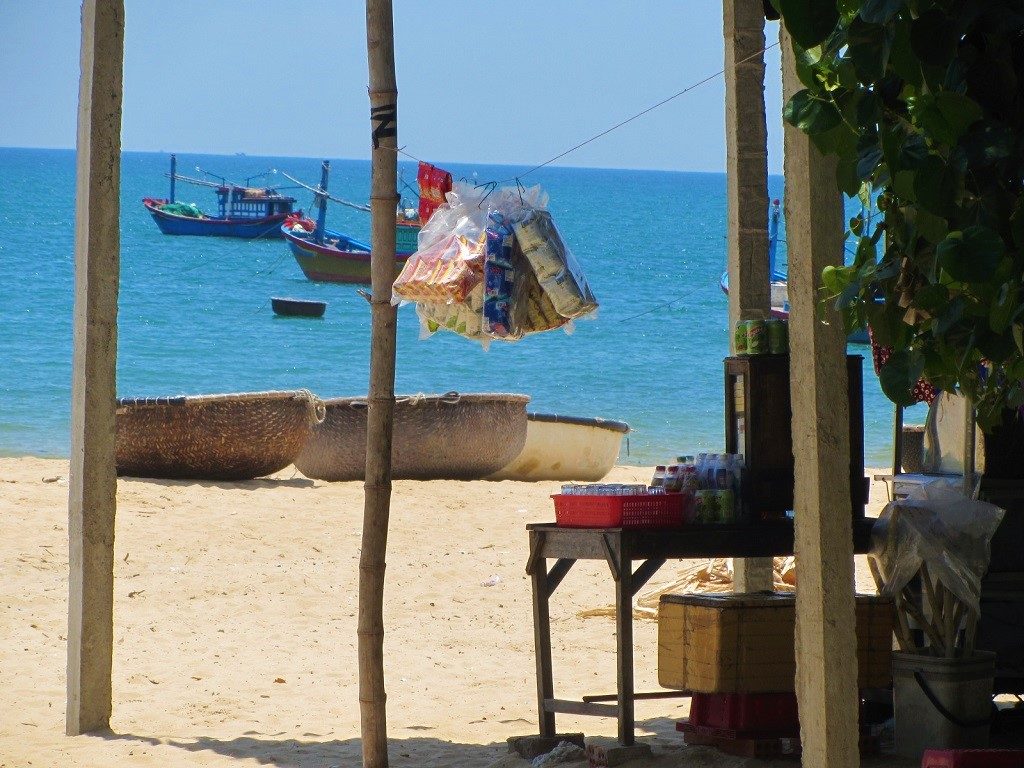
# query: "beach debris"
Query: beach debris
565,752
279,680
491,582
59,479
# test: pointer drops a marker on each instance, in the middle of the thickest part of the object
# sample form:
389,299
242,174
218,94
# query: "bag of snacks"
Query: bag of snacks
444,272
557,270
464,318
499,279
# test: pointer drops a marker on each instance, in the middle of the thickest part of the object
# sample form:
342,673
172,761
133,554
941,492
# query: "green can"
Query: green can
757,337
778,336
740,337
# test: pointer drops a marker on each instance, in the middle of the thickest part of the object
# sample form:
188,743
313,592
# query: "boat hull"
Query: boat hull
437,437
565,448
297,307
330,264
248,229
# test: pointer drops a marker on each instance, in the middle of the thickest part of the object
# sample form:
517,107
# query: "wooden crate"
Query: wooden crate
743,643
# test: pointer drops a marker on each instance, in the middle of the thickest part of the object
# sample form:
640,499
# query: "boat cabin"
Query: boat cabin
251,202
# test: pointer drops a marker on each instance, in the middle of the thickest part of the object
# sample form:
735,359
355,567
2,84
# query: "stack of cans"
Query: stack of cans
762,337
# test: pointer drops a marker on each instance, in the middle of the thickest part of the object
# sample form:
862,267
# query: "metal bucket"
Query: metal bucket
942,703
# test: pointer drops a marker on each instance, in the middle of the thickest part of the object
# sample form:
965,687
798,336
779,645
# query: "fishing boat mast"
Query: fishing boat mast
321,201
174,170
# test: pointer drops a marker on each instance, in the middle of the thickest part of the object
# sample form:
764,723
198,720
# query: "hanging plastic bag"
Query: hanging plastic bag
557,271
937,525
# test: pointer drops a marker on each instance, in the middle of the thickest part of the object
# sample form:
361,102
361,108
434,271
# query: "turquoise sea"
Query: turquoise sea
195,312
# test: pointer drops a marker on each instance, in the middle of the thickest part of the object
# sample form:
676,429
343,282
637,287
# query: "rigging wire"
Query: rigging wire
620,124
323,193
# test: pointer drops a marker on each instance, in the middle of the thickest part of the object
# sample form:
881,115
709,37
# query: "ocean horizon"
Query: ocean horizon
195,316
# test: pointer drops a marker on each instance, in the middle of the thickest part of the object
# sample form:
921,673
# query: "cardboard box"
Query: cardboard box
743,643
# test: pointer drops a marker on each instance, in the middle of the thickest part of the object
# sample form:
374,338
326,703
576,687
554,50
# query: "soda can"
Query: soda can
740,337
778,336
757,337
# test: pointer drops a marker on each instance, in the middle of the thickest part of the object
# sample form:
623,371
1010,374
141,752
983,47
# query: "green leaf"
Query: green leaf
935,186
869,49
811,114
902,60
899,375
1017,223
933,38
809,21
971,256
931,227
1005,309
868,159
879,11
959,111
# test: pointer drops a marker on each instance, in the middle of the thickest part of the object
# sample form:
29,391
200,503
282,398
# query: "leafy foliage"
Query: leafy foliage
922,102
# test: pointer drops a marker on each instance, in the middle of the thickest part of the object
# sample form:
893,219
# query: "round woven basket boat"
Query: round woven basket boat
436,437
214,437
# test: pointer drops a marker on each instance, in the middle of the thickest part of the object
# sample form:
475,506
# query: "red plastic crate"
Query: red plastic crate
647,511
973,758
769,713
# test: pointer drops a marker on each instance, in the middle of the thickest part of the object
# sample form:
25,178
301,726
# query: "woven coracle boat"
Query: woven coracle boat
214,437
436,437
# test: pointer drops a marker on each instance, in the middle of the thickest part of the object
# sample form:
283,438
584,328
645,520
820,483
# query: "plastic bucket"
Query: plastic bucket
942,703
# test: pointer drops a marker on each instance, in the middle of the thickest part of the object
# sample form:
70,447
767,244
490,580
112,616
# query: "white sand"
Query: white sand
235,625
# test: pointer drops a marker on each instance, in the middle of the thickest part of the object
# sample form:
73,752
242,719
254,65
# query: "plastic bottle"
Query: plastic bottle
711,471
672,478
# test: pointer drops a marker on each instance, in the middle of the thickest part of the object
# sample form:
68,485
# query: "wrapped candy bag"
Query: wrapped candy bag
499,279
445,271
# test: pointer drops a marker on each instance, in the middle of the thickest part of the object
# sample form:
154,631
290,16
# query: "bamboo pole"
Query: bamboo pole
380,50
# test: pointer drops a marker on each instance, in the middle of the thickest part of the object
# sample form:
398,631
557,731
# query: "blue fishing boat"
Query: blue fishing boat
242,210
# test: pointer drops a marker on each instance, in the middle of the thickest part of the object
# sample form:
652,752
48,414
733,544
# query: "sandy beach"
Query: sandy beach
235,625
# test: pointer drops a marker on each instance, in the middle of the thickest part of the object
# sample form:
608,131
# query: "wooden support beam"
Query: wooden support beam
826,644
746,135
93,477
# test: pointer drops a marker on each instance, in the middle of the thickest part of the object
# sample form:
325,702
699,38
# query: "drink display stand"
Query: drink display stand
761,402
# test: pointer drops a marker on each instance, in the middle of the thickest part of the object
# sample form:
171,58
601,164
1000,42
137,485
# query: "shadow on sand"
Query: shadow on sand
265,749
260,483
425,752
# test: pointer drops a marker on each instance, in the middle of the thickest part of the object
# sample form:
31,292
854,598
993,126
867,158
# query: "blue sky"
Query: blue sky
479,81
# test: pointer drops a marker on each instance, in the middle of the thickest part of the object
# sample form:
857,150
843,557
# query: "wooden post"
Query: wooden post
746,135
93,480
380,48
826,644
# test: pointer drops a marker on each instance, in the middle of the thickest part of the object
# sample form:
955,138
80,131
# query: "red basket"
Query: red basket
972,758
646,511
773,713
